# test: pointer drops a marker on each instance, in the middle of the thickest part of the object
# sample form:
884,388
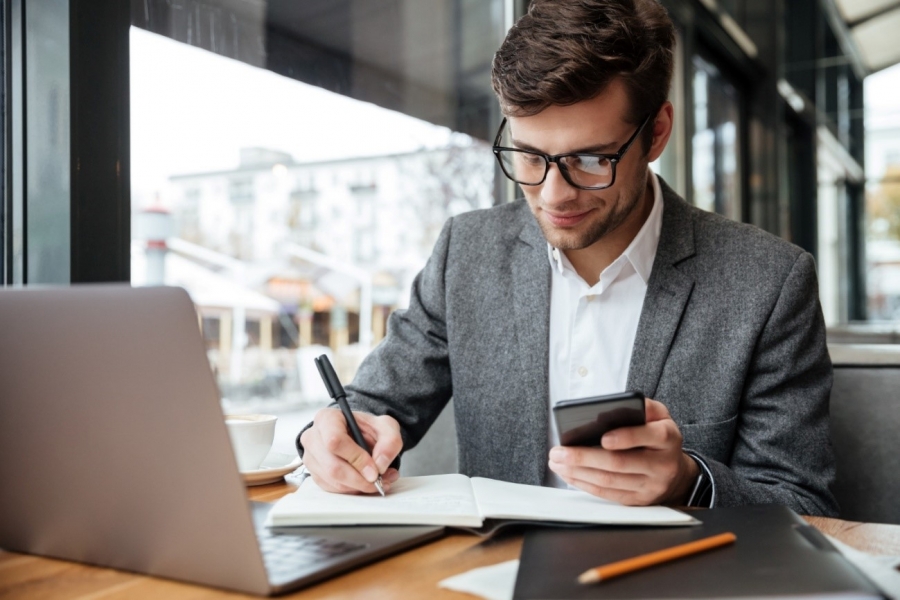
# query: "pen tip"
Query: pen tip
379,486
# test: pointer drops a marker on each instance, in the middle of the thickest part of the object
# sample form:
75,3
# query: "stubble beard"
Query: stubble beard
625,204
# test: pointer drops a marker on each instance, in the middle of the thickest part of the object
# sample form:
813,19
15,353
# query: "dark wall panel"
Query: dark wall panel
101,213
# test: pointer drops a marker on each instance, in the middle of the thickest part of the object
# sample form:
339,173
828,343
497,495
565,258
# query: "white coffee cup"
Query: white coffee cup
251,438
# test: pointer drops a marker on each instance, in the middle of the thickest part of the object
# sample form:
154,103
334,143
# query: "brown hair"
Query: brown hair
566,51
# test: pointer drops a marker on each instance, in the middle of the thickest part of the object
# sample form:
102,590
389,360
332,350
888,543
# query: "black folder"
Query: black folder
776,555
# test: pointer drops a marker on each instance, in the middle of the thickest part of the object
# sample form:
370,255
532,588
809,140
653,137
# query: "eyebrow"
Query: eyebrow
596,149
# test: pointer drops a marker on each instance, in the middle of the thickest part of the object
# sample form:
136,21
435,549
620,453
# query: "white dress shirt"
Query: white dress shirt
592,328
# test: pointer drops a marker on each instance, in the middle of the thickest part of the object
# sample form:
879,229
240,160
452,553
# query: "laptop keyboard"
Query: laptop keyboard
284,554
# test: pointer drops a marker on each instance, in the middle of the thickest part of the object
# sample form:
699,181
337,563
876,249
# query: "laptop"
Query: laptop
114,450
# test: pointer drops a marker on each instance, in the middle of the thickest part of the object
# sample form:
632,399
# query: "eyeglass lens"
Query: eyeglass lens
583,169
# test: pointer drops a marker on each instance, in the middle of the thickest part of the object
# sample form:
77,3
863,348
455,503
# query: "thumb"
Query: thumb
656,411
388,443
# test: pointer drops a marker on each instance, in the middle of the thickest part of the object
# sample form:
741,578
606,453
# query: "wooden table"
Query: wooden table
413,574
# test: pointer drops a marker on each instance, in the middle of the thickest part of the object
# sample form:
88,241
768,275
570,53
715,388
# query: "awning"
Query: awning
207,288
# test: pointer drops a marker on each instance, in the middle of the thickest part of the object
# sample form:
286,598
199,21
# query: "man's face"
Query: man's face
570,218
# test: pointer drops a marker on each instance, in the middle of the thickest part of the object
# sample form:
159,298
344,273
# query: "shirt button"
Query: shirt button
582,371
590,297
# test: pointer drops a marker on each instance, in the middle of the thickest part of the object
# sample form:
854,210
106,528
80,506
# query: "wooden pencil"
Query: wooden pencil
629,565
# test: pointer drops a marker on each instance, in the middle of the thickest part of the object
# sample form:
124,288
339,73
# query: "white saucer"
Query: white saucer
275,466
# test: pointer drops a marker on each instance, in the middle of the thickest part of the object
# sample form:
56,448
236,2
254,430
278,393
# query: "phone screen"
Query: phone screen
583,421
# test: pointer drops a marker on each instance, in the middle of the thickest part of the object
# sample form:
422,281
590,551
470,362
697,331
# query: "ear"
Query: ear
662,131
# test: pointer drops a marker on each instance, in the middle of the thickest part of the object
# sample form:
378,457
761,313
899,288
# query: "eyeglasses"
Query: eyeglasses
585,171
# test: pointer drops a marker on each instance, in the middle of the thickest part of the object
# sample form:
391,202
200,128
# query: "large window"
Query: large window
292,166
883,194
35,213
716,170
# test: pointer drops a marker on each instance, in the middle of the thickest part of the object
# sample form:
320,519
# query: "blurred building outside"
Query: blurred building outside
295,217
287,260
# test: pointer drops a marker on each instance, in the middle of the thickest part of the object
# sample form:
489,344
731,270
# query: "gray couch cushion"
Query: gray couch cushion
865,426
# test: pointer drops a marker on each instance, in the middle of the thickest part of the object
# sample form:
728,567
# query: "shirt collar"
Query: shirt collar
640,252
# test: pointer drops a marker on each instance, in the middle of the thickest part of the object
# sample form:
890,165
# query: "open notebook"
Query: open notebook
456,500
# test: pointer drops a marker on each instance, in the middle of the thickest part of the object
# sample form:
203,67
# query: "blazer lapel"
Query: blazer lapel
531,316
668,291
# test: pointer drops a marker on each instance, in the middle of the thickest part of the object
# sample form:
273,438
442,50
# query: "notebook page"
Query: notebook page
431,500
504,500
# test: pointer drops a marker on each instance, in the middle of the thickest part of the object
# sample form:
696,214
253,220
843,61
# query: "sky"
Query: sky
192,111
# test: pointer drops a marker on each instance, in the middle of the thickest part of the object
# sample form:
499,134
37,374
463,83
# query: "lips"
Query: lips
566,219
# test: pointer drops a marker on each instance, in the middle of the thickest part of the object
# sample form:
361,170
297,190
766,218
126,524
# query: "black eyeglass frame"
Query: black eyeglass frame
613,159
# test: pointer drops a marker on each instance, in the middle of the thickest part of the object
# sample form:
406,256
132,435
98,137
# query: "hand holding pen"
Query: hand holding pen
334,458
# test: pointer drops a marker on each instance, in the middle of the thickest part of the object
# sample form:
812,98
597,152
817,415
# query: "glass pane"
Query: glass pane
671,164
831,214
716,147
882,97
47,178
292,167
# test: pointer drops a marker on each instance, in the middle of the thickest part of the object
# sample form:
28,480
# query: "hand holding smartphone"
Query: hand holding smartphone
583,421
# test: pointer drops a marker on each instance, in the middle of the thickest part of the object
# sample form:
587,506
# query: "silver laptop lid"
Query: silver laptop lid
112,443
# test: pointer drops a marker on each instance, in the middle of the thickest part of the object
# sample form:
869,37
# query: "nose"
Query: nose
555,189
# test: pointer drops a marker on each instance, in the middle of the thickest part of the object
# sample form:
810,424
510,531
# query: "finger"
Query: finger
391,476
386,440
619,461
332,430
603,479
335,471
327,478
635,437
366,422
621,496
334,489
658,435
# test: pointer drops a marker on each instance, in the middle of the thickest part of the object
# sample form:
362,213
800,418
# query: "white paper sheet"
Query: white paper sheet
505,500
496,582
431,500
882,570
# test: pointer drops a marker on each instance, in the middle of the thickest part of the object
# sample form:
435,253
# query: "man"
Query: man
601,280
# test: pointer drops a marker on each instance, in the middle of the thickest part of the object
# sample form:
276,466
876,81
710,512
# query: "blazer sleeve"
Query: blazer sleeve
783,453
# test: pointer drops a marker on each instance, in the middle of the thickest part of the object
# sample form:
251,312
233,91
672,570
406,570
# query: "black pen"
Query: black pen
336,391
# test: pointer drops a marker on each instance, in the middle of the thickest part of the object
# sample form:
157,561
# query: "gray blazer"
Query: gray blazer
731,339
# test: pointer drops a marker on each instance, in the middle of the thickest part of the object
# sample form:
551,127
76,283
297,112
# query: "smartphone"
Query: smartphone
583,421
